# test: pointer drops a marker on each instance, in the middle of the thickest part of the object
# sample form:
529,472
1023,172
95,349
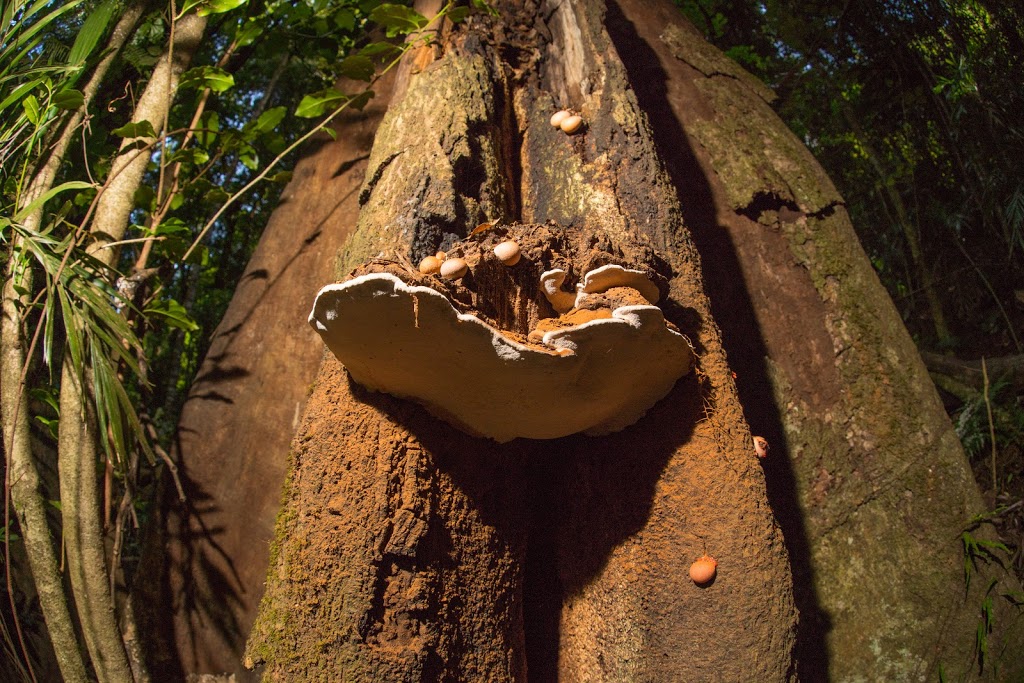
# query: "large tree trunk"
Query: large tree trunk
410,551
865,472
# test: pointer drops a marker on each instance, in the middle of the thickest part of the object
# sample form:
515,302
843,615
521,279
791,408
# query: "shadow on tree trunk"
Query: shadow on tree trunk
734,312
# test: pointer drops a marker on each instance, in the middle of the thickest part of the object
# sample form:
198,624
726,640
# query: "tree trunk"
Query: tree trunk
865,472
205,558
408,550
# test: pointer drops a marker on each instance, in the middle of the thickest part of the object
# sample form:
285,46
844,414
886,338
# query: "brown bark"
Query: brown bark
865,471
210,552
410,551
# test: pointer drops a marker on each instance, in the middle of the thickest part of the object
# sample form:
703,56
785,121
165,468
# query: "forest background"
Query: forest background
910,106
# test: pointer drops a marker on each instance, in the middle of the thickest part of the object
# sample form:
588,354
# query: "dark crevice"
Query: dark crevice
765,201
510,145
786,209
542,586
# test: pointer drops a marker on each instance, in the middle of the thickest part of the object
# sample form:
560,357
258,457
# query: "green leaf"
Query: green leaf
398,19
248,33
189,4
345,19
212,77
91,32
171,226
53,192
315,104
20,91
361,100
31,106
135,129
486,7
173,314
144,197
249,159
68,100
281,177
458,14
357,67
275,143
209,126
216,196
376,49
218,6
269,119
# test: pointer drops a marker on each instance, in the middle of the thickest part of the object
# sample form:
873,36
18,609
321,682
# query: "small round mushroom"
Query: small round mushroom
454,268
430,264
441,255
703,569
508,253
558,117
761,446
571,125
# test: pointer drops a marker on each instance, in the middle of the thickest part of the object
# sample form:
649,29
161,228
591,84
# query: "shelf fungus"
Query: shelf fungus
506,369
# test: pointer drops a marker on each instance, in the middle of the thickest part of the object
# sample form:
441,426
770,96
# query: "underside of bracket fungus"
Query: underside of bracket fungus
483,351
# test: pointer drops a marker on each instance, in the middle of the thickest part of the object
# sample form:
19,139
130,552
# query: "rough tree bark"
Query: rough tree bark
410,551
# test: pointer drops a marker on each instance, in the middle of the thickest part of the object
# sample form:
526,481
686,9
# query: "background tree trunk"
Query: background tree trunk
205,559
409,551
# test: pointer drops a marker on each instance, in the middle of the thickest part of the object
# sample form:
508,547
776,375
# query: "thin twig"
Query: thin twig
991,424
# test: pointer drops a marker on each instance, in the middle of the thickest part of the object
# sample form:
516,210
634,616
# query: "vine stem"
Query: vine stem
991,424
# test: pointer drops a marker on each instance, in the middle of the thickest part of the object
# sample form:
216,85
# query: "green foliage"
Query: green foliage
980,551
398,20
263,81
971,420
216,79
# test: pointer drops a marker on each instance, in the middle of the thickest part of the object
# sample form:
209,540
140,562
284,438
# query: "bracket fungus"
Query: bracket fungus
411,340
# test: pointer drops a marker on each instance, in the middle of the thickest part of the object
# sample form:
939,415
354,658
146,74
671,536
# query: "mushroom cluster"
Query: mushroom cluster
569,123
605,360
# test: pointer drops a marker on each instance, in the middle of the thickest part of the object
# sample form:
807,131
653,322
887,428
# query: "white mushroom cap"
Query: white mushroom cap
558,117
409,341
571,124
551,284
453,268
604,278
508,252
